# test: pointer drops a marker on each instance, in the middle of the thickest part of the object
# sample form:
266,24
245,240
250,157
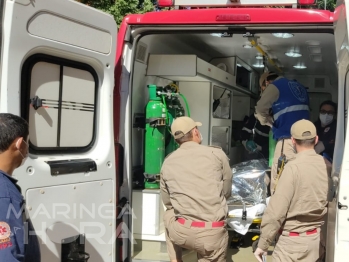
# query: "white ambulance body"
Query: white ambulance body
83,90
61,54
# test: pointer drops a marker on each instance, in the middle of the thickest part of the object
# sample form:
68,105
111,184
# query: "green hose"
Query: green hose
164,102
186,104
166,111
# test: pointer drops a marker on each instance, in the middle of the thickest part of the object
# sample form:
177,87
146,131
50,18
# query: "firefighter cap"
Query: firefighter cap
303,129
264,77
183,124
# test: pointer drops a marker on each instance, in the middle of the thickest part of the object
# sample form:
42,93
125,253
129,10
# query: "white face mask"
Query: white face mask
23,160
201,138
326,119
24,157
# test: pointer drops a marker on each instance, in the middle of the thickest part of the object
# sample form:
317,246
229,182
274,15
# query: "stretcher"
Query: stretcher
247,203
242,224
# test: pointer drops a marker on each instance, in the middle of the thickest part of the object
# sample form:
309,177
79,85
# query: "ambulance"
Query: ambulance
100,101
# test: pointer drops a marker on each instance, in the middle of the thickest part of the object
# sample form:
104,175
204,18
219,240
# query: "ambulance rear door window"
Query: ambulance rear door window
59,102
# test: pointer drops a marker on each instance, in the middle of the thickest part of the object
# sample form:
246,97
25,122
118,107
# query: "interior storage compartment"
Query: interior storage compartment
148,211
186,68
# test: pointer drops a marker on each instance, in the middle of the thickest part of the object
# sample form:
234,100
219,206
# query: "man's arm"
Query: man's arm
227,175
246,131
277,209
226,170
270,95
165,195
11,244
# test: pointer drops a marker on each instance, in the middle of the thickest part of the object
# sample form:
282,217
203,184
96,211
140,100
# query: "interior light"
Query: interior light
225,34
283,35
293,54
300,66
247,46
239,65
258,65
259,57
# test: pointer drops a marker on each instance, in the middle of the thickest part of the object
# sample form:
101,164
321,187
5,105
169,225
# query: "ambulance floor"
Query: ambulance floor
242,254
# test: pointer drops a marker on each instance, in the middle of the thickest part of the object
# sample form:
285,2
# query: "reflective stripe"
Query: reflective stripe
290,109
247,130
261,133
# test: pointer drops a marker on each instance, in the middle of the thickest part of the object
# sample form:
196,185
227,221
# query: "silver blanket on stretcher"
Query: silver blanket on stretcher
248,183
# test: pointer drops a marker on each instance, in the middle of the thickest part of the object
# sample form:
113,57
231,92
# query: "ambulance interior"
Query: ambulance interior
212,65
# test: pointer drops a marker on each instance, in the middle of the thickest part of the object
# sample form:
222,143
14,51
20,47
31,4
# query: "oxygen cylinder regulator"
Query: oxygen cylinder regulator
163,107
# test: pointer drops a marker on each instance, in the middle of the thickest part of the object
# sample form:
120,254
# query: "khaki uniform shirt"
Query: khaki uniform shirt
300,200
195,182
264,104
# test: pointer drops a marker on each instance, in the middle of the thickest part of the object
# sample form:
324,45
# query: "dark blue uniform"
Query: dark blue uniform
13,230
327,135
261,137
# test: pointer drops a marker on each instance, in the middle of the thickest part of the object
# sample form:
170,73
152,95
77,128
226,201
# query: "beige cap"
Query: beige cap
264,77
183,124
303,129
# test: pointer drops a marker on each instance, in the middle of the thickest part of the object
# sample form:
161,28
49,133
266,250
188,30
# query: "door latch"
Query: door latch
342,207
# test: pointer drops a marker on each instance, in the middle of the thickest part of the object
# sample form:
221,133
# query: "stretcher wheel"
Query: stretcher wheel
237,241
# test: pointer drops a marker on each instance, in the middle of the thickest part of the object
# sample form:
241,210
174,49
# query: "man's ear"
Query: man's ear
19,142
316,139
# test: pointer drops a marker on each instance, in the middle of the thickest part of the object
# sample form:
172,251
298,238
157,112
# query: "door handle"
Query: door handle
342,207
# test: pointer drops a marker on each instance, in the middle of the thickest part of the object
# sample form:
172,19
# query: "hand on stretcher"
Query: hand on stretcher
261,255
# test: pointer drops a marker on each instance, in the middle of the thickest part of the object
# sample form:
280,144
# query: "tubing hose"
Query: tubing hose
186,104
166,112
164,102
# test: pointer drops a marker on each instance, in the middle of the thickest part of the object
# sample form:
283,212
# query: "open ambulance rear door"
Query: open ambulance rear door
338,221
57,71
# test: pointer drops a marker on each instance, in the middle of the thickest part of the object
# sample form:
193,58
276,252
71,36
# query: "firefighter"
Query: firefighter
195,182
17,240
299,204
289,102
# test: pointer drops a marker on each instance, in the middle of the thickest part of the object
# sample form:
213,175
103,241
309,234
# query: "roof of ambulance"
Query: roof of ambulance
237,16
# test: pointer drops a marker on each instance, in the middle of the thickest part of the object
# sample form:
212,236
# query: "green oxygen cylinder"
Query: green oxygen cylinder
272,145
154,139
